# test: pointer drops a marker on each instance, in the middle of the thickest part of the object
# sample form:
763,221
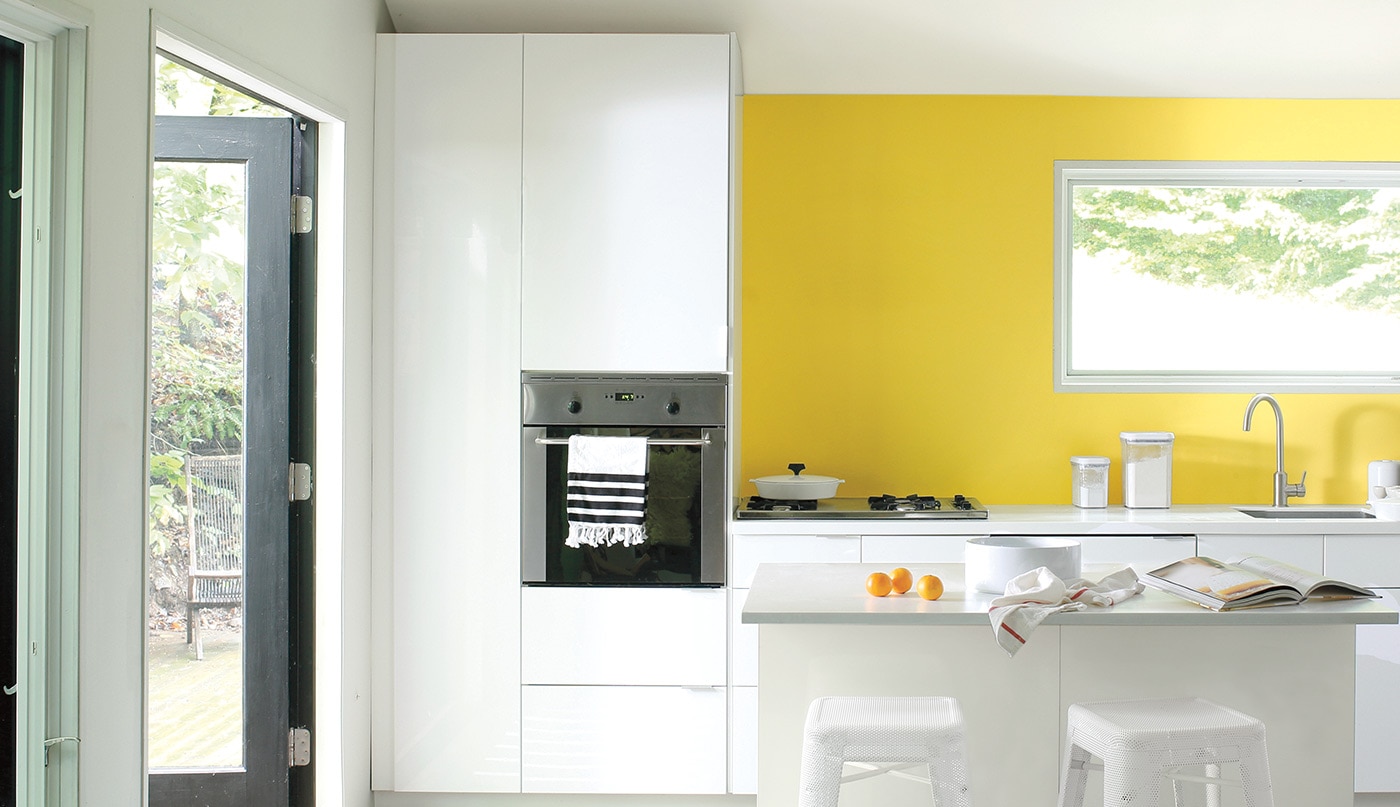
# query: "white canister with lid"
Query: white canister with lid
1089,481
1147,468
1381,474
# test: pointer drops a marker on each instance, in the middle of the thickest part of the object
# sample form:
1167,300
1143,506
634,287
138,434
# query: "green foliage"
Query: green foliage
180,90
197,295
1336,244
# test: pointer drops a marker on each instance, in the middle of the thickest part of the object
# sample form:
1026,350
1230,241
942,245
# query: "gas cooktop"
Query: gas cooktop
886,506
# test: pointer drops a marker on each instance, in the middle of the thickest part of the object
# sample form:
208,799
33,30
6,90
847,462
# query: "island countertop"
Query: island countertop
834,594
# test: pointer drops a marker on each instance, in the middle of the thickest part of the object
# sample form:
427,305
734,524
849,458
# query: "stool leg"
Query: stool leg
820,785
1074,775
947,775
1254,774
1133,780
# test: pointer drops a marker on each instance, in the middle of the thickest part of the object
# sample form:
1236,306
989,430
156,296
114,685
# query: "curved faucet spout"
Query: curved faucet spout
1278,423
1282,490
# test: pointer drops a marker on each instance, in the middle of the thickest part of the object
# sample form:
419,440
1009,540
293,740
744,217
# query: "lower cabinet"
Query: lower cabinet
1142,552
1303,551
1373,561
1378,702
743,739
624,690
623,739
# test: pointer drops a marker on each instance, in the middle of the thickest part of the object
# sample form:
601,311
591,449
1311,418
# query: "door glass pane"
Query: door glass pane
195,645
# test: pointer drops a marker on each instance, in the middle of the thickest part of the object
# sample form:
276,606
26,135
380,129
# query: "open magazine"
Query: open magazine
1249,581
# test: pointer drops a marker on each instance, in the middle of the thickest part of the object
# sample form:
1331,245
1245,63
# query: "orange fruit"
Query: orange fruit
902,579
930,587
878,584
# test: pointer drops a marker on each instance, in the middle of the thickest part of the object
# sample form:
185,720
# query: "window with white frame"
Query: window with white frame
1194,276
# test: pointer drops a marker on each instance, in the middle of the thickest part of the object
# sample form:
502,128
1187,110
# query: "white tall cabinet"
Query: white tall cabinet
626,165
553,203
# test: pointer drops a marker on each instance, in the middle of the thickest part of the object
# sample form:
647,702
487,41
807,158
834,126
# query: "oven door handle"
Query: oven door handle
651,441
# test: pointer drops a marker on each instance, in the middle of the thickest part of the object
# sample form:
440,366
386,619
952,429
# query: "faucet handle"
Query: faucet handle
1297,491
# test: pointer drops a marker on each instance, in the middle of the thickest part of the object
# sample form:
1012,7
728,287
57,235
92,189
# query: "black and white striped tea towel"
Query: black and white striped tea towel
607,491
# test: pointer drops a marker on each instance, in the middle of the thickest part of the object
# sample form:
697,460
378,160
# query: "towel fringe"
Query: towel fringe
605,534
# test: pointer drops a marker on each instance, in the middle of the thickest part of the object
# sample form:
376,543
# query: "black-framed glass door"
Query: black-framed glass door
11,193
231,750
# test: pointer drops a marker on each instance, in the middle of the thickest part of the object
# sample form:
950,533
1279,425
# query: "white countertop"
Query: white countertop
1063,519
834,594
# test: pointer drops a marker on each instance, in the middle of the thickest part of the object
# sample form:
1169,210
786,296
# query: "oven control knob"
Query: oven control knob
674,407
574,406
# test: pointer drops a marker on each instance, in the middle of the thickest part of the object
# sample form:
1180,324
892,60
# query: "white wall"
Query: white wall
324,47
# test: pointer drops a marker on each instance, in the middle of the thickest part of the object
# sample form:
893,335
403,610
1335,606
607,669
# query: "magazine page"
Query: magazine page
1302,579
1309,583
1219,581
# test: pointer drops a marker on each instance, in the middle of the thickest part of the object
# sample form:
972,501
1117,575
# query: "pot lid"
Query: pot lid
796,478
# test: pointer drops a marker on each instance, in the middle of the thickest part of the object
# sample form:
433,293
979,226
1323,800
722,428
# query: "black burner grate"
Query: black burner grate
760,503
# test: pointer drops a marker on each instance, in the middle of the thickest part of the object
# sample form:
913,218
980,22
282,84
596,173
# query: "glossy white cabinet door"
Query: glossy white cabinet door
743,739
1378,703
751,550
1303,551
610,635
1142,552
1366,560
605,739
451,109
743,644
897,549
626,202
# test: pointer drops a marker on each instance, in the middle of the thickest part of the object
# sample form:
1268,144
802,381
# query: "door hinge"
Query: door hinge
298,747
298,482
302,207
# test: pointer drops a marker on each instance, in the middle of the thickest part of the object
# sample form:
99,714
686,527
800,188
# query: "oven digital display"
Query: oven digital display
626,397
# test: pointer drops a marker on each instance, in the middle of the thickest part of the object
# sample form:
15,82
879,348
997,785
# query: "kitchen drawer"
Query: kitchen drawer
1366,560
623,636
1142,552
743,643
906,549
751,550
1303,551
605,739
743,740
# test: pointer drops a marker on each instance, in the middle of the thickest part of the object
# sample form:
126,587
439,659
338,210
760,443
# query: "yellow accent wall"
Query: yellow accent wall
897,297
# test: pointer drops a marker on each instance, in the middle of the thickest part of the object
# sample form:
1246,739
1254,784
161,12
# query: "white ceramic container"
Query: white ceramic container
993,560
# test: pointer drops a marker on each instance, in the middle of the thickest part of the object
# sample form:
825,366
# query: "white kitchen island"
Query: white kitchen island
820,634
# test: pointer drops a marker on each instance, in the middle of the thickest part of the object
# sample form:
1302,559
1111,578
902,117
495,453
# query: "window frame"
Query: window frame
1069,173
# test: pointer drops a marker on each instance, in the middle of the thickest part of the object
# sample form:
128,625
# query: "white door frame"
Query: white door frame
50,305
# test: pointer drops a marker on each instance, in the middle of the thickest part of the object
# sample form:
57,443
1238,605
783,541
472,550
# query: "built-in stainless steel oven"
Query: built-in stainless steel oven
682,418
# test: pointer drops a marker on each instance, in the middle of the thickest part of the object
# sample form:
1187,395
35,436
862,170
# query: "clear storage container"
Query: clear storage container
1147,468
1089,481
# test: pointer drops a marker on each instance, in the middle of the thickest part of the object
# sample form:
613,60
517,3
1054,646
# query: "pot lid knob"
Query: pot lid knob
796,468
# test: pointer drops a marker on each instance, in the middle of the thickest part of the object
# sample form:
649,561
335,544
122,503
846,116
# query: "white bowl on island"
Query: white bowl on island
993,560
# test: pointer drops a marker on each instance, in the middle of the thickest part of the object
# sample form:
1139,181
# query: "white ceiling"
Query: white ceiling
1206,48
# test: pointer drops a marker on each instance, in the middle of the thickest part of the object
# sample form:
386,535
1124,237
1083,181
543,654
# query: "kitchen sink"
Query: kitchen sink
1304,512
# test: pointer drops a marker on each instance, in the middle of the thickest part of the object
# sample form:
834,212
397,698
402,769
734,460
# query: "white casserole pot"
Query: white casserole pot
991,561
797,486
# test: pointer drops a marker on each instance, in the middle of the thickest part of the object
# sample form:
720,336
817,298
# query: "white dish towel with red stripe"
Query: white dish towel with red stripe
1032,596
607,494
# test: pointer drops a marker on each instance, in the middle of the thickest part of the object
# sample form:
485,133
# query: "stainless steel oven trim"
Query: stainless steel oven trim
544,402
713,508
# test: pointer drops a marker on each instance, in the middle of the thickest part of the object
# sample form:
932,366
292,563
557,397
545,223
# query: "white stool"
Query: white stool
883,735
1140,742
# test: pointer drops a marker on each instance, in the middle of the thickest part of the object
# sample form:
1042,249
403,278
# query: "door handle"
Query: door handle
12,690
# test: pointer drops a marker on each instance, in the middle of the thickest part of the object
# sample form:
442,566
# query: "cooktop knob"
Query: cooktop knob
574,406
674,407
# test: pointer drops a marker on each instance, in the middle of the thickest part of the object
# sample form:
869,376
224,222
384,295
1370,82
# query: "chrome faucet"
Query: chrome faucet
1282,489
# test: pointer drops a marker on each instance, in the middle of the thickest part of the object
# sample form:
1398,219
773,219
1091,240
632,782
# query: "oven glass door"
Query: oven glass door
676,522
